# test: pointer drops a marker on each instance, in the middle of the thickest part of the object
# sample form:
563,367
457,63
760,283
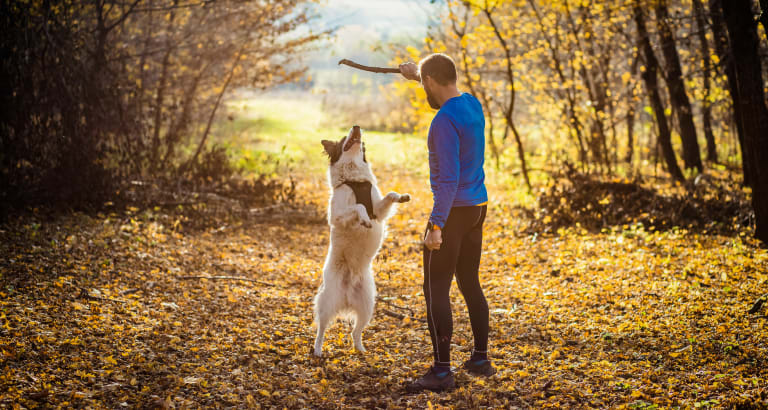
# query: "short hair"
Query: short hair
440,67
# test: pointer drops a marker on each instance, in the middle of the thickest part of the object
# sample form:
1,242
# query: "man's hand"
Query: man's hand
434,239
410,71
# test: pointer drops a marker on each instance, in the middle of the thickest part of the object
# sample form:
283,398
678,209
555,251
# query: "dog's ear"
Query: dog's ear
333,149
329,146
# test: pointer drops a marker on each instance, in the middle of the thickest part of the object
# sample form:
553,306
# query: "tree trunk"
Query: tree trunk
722,47
681,105
631,104
596,142
745,48
600,82
706,110
461,32
177,127
574,124
161,88
511,107
764,16
224,87
652,87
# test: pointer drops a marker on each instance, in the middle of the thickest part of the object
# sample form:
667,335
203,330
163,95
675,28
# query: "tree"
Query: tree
553,45
510,77
577,82
593,84
630,116
681,105
723,50
95,93
764,16
706,109
651,86
745,45
459,28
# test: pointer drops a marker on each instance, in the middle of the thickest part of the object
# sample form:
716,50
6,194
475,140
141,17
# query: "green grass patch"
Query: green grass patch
281,136
268,135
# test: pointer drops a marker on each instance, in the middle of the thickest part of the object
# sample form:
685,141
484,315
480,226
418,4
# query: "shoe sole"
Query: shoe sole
428,389
485,374
482,374
434,390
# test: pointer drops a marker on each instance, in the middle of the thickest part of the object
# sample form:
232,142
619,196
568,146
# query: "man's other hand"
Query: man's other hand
434,239
410,71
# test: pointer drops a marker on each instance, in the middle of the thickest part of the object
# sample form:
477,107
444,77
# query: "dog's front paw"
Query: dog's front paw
404,198
366,223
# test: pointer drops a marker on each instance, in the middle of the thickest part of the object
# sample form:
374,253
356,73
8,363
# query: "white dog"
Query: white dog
357,214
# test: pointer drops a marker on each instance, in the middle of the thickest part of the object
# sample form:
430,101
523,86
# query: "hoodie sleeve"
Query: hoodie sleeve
444,169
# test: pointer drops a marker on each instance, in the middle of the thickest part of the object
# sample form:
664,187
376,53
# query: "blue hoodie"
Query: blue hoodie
456,155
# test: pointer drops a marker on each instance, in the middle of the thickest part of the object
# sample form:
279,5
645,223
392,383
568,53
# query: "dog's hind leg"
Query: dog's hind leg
361,321
319,338
363,313
323,315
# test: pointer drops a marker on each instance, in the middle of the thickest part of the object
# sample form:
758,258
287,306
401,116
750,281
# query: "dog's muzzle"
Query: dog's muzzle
354,138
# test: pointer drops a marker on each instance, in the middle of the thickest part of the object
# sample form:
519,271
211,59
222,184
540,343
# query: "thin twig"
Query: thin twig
758,304
369,68
401,316
228,278
389,302
395,315
86,295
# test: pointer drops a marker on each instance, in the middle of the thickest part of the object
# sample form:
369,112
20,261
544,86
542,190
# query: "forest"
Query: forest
164,199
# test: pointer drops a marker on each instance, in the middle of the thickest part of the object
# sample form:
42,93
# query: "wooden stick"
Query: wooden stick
368,68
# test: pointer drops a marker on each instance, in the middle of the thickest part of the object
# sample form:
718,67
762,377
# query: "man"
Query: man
453,240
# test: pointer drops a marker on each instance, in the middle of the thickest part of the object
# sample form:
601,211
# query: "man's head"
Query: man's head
437,71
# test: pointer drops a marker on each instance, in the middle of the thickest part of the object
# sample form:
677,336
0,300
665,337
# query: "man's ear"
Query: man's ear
329,146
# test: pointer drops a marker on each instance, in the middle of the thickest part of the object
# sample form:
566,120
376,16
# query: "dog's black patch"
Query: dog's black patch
362,190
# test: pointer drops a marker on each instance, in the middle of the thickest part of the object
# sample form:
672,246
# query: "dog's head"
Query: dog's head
347,158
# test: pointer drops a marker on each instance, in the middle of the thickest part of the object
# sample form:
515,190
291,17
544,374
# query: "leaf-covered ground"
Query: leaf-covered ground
96,312
102,310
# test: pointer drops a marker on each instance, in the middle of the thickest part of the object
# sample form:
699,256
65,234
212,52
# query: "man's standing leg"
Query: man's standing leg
439,266
467,277
438,275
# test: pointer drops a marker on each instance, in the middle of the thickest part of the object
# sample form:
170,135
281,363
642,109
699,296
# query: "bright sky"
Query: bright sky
385,17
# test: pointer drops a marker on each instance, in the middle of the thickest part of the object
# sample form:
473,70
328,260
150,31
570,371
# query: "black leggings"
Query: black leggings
459,253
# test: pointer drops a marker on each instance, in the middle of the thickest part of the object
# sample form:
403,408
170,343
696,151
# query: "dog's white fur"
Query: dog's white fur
348,286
